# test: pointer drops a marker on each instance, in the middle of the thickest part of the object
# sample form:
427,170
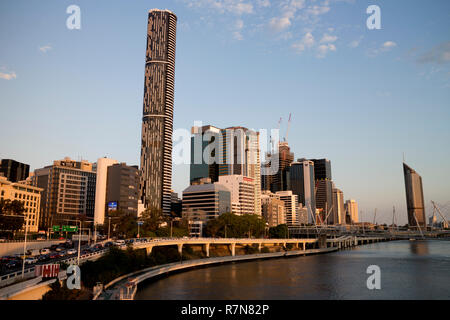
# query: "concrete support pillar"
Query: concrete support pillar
149,250
304,245
207,249
259,246
233,249
180,248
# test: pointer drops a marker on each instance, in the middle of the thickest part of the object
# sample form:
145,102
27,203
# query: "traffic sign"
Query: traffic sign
55,228
70,228
140,223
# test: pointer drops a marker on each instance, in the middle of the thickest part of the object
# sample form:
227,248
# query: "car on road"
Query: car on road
45,251
43,257
71,251
108,244
119,242
12,264
54,255
5,259
59,249
30,260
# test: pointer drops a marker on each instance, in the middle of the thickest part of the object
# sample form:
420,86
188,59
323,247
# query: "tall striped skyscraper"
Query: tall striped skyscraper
157,120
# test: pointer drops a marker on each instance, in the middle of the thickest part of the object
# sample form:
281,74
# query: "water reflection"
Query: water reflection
419,248
409,271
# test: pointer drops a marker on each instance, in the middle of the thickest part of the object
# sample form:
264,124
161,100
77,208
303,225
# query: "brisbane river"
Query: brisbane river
408,270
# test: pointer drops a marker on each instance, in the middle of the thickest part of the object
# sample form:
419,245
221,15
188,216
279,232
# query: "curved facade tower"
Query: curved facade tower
414,197
157,119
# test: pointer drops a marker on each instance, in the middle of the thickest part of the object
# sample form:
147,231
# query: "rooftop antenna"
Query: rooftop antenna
375,215
403,157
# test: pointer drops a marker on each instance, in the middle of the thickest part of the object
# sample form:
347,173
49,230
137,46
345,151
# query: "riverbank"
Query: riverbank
410,270
125,287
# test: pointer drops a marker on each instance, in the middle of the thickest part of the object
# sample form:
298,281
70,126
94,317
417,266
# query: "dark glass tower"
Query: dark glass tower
322,169
414,197
303,185
13,170
157,120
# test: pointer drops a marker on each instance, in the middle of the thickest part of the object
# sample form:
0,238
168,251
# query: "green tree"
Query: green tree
279,232
124,224
11,215
247,225
152,218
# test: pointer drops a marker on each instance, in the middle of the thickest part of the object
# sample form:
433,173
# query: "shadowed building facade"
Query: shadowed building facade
157,120
303,184
13,170
414,197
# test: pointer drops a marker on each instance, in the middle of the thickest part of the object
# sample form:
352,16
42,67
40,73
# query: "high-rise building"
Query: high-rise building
176,205
200,167
272,209
69,191
230,151
303,185
324,192
157,120
100,189
414,197
351,209
242,193
324,201
322,169
291,207
13,170
338,206
122,188
280,181
30,196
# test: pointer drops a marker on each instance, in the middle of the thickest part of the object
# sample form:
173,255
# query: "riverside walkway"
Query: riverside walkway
125,287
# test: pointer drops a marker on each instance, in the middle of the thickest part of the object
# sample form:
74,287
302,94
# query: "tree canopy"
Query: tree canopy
11,215
233,226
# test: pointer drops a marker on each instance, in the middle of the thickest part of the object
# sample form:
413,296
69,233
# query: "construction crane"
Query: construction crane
288,127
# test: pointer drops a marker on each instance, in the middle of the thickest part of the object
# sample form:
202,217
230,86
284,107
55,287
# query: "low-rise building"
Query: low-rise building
203,202
272,208
29,195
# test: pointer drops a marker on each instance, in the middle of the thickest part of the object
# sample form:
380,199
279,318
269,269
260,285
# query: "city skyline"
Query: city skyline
374,180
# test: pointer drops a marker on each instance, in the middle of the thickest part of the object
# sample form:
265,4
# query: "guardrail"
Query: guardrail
10,278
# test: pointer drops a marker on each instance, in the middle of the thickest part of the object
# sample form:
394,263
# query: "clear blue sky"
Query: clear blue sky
358,97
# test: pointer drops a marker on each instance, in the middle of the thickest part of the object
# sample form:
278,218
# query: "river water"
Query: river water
409,270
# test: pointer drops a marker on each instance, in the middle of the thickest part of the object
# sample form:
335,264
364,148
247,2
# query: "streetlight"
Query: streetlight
139,223
79,240
109,227
24,247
